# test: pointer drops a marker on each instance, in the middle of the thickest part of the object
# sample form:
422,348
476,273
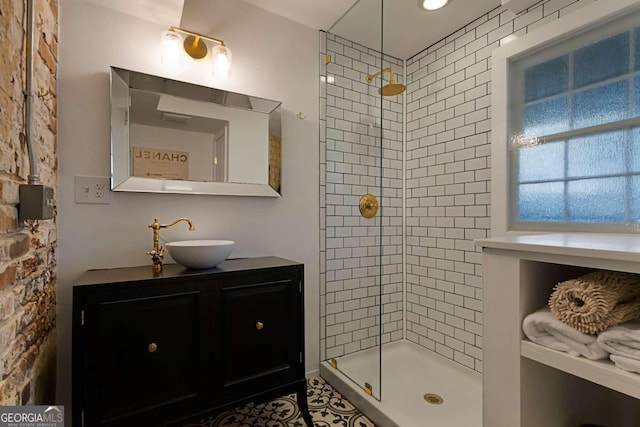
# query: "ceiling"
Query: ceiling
320,15
407,28
165,12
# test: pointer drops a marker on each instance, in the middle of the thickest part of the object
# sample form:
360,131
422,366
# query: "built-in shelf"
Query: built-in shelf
618,247
525,384
602,372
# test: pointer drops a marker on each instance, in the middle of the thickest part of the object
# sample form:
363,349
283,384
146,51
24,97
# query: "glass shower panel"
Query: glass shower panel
352,158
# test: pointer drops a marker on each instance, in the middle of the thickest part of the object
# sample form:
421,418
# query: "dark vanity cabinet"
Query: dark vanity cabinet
159,349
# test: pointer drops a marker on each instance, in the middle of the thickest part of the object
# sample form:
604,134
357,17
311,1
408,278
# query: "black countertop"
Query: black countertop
171,271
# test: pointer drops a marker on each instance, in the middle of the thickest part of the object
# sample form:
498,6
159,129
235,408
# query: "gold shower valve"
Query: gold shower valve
368,205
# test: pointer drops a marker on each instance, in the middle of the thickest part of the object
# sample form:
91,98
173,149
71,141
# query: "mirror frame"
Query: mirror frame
122,180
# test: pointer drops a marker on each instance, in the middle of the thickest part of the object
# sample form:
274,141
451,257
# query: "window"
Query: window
573,131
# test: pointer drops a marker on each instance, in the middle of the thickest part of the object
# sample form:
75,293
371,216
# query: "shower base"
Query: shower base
408,373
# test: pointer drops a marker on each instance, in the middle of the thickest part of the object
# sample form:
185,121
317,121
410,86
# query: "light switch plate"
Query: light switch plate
93,189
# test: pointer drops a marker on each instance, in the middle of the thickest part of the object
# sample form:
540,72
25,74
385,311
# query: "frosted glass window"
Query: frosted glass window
634,150
578,120
599,154
542,162
541,202
546,79
636,37
596,200
601,60
634,202
546,117
636,89
603,104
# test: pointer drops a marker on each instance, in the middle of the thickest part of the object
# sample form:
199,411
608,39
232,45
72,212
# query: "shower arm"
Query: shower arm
388,69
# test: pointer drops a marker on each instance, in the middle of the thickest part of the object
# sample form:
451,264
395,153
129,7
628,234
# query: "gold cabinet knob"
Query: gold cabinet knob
152,347
259,326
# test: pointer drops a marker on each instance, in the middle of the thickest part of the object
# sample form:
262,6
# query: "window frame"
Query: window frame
544,39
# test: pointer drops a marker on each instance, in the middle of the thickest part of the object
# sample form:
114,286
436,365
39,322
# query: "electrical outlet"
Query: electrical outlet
93,189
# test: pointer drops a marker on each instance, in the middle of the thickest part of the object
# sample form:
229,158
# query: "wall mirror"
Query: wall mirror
169,136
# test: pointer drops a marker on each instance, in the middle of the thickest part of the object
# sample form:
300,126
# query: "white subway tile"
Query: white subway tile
488,26
455,344
465,39
444,350
448,191
500,32
465,360
553,6
531,16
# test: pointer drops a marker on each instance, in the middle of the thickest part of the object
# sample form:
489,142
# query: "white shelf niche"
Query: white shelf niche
602,372
529,386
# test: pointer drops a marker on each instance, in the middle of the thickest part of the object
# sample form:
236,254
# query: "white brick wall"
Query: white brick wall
448,136
361,152
448,178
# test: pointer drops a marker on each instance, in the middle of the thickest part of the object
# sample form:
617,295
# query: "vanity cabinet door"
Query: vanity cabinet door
145,355
261,334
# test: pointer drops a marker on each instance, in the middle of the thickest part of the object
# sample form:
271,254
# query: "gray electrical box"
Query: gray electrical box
36,202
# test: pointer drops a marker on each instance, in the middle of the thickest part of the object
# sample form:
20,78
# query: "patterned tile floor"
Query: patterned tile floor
327,407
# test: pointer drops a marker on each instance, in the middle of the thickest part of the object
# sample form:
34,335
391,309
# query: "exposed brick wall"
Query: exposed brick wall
27,251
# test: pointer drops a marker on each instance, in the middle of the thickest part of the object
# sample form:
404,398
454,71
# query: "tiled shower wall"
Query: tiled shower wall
358,156
448,178
447,188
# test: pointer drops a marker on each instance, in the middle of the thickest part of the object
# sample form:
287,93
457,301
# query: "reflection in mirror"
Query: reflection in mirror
176,137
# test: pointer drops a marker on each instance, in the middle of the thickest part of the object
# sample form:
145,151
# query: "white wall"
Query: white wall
273,58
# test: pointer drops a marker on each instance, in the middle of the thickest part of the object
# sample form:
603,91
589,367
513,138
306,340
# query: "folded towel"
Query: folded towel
597,301
544,329
626,363
622,340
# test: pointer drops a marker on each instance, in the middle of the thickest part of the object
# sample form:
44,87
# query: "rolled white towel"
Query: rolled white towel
544,329
622,340
626,363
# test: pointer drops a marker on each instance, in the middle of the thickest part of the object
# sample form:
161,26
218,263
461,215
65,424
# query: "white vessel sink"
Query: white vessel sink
200,253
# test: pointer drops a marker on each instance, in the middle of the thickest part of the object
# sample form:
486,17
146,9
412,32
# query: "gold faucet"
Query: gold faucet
157,253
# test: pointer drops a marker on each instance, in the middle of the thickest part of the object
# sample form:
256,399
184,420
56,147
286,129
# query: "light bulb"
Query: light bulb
171,52
221,62
433,4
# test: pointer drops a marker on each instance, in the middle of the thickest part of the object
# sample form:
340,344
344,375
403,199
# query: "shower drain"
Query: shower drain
433,398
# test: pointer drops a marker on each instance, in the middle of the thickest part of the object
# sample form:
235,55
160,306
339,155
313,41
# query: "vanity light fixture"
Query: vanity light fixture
433,4
173,45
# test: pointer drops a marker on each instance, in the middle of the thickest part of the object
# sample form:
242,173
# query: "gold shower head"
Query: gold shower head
390,89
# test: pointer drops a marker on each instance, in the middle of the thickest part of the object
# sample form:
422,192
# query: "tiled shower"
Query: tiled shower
356,164
413,272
